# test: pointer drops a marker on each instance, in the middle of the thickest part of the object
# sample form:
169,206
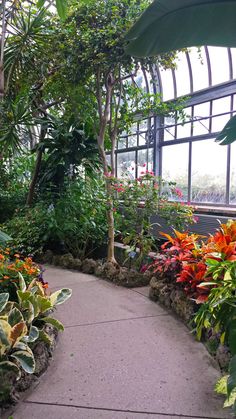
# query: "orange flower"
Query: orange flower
2,257
6,277
16,255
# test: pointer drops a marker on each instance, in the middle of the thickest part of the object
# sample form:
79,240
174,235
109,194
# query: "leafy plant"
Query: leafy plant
140,199
22,324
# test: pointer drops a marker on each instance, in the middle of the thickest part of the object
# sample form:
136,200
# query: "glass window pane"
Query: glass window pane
233,175
209,161
143,125
201,126
199,68
184,130
132,141
108,159
175,165
145,161
220,106
169,131
167,84
219,64
182,75
122,143
142,139
126,164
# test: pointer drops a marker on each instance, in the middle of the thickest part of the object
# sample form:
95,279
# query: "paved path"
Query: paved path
121,356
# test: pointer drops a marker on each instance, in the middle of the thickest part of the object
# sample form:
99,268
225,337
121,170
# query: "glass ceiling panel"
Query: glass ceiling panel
219,59
167,84
199,68
182,75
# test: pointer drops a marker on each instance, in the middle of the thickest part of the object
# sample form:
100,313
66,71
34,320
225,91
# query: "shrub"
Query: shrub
75,222
142,198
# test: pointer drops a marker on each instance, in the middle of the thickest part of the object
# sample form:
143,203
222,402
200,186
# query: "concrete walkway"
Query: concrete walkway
121,357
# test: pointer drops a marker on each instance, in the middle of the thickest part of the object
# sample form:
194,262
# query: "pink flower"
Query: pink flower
108,174
142,173
195,219
178,192
145,164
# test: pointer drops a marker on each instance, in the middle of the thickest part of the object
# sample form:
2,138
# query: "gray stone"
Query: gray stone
66,261
76,264
88,266
223,356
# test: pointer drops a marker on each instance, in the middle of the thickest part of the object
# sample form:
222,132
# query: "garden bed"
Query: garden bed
12,390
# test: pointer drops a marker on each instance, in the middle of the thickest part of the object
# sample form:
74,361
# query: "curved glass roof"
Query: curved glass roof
196,69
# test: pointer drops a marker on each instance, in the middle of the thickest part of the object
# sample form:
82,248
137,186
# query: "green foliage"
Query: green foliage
72,223
68,147
141,199
15,173
22,325
227,386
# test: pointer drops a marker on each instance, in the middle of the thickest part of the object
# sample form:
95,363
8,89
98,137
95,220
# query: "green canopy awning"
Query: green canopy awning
169,25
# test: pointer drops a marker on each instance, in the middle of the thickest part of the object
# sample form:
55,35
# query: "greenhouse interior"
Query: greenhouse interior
118,209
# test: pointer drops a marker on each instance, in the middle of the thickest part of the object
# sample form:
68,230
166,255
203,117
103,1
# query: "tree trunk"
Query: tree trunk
110,212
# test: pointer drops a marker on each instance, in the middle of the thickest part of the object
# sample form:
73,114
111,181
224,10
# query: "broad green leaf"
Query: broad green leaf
45,337
228,134
22,283
26,360
5,330
54,322
7,366
23,296
33,335
15,317
29,313
60,296
21,346
4,297
61,8
17,332
35,303
44,304
229,402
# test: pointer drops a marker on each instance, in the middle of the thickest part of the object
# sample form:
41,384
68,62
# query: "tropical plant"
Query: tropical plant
14,348
141,199
22,324
183,248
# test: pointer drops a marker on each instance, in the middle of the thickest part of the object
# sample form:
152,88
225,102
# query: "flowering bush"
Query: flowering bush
11,266
139,200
